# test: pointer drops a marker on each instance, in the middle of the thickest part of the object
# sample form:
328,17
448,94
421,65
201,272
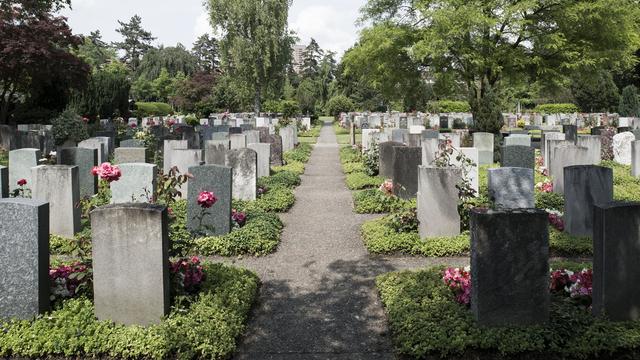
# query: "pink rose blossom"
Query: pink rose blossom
107,172
22,182
206,199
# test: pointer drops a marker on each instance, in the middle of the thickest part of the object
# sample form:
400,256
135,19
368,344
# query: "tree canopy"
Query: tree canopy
135,43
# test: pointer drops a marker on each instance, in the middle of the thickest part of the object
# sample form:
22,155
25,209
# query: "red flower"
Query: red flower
206,199
22,182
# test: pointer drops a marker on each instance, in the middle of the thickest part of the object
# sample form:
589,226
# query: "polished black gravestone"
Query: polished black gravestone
584,187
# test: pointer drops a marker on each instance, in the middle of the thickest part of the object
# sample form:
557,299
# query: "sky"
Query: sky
330,22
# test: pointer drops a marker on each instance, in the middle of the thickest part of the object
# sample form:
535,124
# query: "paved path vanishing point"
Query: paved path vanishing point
318,298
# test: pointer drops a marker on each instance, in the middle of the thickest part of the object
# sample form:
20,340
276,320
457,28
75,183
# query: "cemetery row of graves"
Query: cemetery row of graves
529,212
101,241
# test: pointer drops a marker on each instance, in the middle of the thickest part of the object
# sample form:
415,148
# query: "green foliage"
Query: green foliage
145,109
629,102
339,104
69,127
4,158
350,155
359,181
556,109
289,108
351,167
295,167
308,95
487,113
448,106
563,244
172,60
206,327
288,179
371,159
260,236
426,322
552,201
625,186
106,94
136,41
595,92
374,201
277,199
301,153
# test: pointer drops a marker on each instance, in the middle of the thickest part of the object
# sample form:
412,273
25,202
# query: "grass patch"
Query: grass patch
206,327
426,322
625,186
360,180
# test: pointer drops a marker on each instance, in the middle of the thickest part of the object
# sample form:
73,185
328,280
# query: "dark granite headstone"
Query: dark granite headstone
276,149
518,156
636,132
29,140
7,138
616,250
444,122
584,187
405,170
246,127
85,160
216,220
235,130
623,129
570,133
509,267
264,134
596,130
4,182
385,150
404,123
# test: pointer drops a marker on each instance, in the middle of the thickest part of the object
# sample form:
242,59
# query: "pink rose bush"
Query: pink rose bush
207,199
459,281
555,219
187,275
387,187
238,218
107,172
546,186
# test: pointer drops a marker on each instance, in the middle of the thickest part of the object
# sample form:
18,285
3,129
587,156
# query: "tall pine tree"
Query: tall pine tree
136,41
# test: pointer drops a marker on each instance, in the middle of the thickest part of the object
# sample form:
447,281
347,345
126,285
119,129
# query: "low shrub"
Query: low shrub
563,244
207,327
373,201
625,186
278,199
145,109
285,178
339,104
301,153
314,132
550,201
349,168
359,181
4,158
295,167
350,155
69,127
556,109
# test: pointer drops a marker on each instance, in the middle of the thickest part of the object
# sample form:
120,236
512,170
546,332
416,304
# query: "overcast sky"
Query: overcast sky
330,22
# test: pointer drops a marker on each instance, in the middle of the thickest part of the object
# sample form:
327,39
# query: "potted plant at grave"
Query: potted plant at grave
69,129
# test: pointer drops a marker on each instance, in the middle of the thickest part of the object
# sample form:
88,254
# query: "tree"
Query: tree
308,95
207,51
339,104
595,92
143,90
35,58
136,41
486,42
311,57
327,74
94,51
629,102
163,85
172,59
191,92
255,38
106,94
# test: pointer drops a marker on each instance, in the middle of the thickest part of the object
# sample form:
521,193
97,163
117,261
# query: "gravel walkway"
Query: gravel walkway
318,297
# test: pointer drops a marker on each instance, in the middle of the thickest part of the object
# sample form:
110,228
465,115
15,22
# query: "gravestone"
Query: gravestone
517,140
100,143
264,134
264,158
444,122
237,141
616,230
170,146
24,258
594,144
59,186
399,135
518,156
183,160
235,130
544,145
622,147
413,140
405,170
430,149
635,159
136,185
512,188
597,130
216,220
385,151
509,267
453,137
570,132
130,155
416,129
85,160
253,136
366,138
403,124
220,136
484,143
276,149
430,134
130,263
214,151
584,187
438,201
564,156
244,163
287,135
4,182
20,163
132,143
7,138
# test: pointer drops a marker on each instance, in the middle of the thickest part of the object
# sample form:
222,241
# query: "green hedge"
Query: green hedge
207,327
426,322
301,153
556,109
373,201
449,106
380,238
360,180
625,186
144,109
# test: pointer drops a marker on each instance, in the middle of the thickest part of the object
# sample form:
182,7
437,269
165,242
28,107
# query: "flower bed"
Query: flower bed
426,321
202,326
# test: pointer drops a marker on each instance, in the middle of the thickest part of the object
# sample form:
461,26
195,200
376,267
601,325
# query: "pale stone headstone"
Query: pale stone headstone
584,187
564,156
100,143
509,267
438,201
85,160
130,248
622,147
221,136
244,163
399,135
288,141
214,151
405,170
519,140
453,137
416,129
24,258
616,230
216,220
183,160
512,188
20,163
136,185
430,148
128,155
170,146
544,145
484,143
594,144
59,186
253,136
366,138
238,141
635,158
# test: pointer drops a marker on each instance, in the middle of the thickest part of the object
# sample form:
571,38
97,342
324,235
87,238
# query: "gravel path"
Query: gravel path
318,297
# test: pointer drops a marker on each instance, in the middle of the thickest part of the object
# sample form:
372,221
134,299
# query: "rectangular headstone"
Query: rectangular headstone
414,140
136,185
221,136
405,170
430,149
183,160
214,151
616,250
519,140
20,163
622,147
518,156
367,138
594,144
4,182
276,149
562,157
130,155
635,159
484,143
130,263
385,158
24,258
547,137
512,188
253,136
132,143
238,141
170,146
244,163
85,160
509,267
264,158
570,132
472,175
438,201
216,220
584,187
288,141
399,135
59,186
430,134
454,138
